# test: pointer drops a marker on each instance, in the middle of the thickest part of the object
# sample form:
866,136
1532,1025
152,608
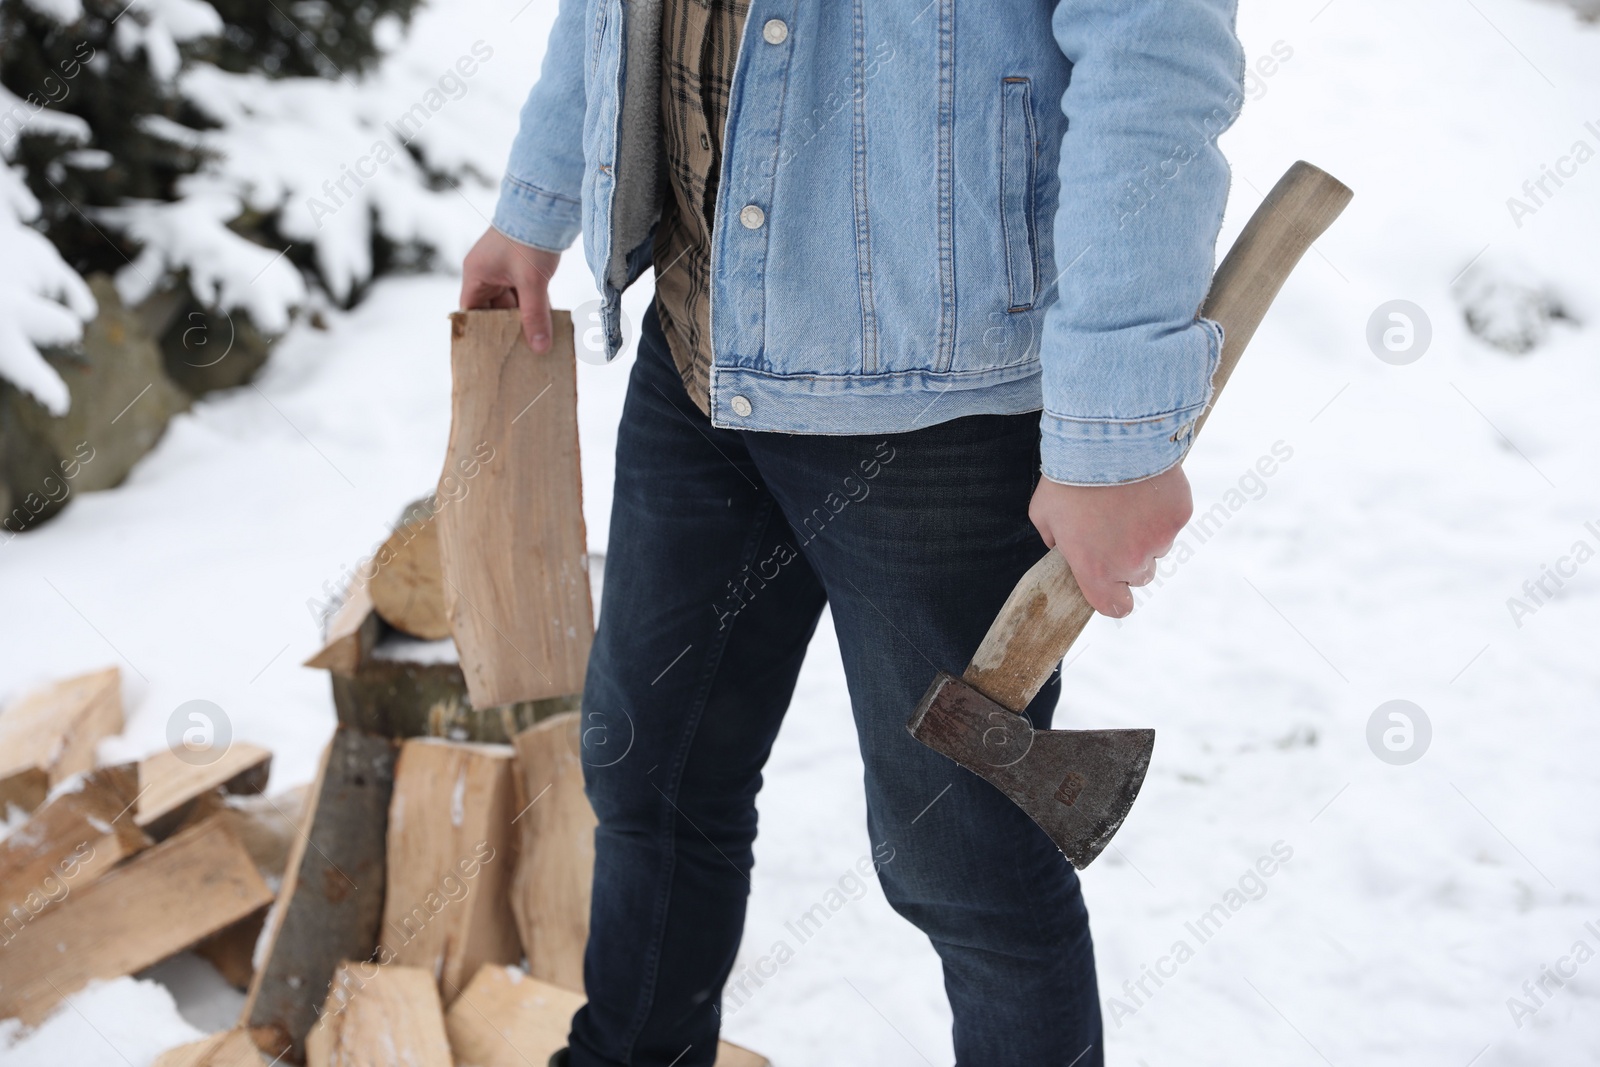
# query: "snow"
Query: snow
412,153
158,27
43,301
1383,559
124,1022
63,11
225,270
405,649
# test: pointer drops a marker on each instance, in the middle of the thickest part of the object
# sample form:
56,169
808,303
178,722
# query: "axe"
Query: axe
1078,785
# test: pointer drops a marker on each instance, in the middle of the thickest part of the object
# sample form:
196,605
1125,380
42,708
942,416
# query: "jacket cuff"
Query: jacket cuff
533,216
1080,450
1092,452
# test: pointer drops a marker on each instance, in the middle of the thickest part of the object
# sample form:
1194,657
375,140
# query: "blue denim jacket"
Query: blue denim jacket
925,211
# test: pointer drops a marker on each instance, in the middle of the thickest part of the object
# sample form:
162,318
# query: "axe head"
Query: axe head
1078,785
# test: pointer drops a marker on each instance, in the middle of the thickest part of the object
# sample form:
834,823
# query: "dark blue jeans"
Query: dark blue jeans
725,545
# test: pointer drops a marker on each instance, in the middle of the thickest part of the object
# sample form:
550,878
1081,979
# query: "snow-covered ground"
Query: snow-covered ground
1407,504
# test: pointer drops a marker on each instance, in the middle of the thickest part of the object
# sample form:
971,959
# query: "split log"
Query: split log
168,784
380,1017
452,849
24,788
332,897
555,865
512,541
352,632
74,838
159,903
232,950
407,586
268,827
51,734
231,1048
507,1019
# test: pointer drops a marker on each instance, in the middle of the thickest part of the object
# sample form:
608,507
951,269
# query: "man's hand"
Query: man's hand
1112,535
500,273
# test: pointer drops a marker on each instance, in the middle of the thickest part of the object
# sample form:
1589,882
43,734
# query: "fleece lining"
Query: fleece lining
637,199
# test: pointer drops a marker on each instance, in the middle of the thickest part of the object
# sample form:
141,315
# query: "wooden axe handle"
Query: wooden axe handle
1046,612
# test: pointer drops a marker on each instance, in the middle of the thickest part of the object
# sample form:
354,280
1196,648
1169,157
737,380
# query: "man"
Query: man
893,286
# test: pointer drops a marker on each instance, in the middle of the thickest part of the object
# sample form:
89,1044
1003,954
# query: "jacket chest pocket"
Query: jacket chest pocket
602,14
1019,157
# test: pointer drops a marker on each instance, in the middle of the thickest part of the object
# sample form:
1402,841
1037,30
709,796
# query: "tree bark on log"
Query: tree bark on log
332,897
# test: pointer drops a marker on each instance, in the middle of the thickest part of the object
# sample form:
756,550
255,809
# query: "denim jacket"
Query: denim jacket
925,211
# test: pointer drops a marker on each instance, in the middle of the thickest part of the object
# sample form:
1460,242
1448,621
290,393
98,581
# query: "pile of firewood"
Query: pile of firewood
119,867
425,901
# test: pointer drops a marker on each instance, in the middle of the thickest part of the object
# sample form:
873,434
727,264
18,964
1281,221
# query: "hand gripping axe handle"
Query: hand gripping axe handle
1078,785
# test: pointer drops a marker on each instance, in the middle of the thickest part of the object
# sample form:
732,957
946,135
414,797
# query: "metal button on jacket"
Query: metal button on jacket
752,217
740,405
774,31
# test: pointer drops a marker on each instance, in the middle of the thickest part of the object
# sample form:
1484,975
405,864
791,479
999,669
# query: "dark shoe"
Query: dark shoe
559,1059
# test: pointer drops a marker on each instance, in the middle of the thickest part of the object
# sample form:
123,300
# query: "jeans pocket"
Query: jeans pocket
1019,155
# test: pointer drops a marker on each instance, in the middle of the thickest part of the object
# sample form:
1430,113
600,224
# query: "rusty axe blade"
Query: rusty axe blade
1079,785
1076,784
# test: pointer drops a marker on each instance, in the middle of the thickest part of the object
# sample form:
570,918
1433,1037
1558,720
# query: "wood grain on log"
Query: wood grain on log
160,902
452,849
167,783
268,826
231,950
231,1048
555,866
407,586
352,633
70,841
512,544
52,733
505,1018
387,1016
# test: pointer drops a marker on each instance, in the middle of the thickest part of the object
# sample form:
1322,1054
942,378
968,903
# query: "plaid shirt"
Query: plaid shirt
699,46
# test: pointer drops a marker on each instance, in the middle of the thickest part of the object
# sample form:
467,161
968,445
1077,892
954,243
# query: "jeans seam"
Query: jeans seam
719,644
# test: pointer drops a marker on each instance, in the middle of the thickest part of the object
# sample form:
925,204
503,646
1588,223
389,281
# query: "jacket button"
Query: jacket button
752,217
741,406
774,31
